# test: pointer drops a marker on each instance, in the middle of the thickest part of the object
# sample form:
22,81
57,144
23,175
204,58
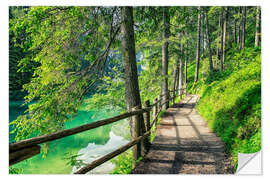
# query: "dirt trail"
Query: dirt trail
185,145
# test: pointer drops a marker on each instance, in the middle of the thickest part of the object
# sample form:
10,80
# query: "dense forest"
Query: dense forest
116,58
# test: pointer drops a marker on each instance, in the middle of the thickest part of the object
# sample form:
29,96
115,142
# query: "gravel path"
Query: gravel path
185,145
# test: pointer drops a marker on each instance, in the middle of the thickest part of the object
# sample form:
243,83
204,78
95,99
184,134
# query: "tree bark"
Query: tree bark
132,94
146,142
221,41
230,36
219,35
234,29
180,77
186,59
198,45
202,32
239,29
177,77
257,36
175,73
244,27
224,35
165,57
209,42
234,35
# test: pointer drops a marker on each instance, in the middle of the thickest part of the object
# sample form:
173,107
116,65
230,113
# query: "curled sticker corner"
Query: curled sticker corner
249,164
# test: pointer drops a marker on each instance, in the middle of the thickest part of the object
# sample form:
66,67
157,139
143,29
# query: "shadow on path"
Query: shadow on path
184,145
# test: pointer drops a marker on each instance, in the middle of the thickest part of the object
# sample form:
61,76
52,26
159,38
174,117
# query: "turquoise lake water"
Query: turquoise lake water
90,145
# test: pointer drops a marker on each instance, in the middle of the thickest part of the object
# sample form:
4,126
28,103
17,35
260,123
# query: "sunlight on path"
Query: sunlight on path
184,144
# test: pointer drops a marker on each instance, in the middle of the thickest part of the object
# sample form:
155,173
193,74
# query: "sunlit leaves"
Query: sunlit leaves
63,41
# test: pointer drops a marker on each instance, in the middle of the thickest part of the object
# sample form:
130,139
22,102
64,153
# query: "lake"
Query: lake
89,145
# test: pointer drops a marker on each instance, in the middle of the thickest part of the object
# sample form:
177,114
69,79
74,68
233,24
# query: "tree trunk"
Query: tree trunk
257,27
224,35
180,77
230,36
198,45
175,73
239,29
165,57
181,74
234,36
244,27
186,59
147,126
132,94
202,32
177,77
219,36
234,29
221,41
209,42
174,78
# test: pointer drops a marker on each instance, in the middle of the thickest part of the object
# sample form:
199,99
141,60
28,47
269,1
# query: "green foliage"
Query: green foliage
13,170
123,163
64,42
110,93
149,78
17,78
230,101
113,99
73,161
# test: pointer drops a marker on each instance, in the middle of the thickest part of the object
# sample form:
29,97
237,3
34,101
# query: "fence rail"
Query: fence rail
58,135
29,147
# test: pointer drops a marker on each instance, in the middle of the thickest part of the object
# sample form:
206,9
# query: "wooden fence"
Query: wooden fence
27,148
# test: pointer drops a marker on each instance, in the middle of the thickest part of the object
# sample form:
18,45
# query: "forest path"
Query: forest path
185,145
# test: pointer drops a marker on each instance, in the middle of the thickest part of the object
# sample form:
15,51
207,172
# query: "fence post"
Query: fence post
169,98
159,103
146,116
155,108
135,132
173,97
159,107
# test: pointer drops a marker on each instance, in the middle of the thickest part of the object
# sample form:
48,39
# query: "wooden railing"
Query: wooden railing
27,148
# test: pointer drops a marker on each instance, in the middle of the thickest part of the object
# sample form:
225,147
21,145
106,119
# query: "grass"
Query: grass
230,101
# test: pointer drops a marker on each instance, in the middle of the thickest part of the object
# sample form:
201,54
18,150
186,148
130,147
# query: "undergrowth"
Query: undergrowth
230,100
123,163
